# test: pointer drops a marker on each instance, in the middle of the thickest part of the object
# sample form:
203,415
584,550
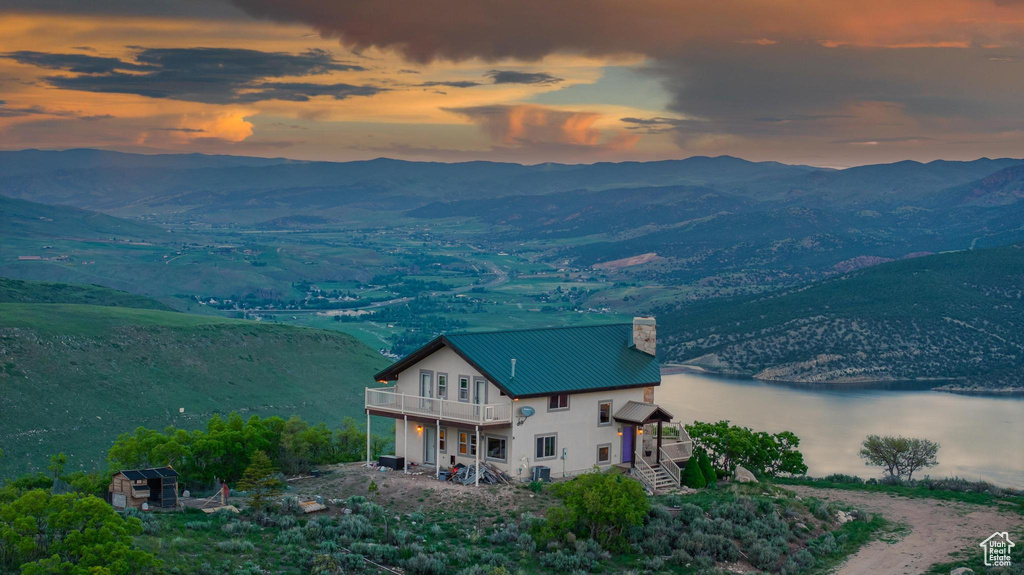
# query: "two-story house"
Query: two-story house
565,398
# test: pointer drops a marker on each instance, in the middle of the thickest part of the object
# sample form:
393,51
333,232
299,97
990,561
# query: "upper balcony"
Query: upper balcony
392,404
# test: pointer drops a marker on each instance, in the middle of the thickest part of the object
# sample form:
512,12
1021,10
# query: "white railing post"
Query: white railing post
477,453
367,437
405,450
437,450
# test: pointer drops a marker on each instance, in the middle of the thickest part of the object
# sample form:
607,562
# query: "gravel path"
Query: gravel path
937,529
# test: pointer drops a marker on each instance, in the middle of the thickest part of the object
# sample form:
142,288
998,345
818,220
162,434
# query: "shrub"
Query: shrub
601,504
712,546
692,476
824,545
706,469
355,527
842,478
688,513
423,564
235,546
239,527
197,525
763,554
293,536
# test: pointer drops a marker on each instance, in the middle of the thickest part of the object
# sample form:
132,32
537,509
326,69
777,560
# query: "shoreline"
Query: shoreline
679,368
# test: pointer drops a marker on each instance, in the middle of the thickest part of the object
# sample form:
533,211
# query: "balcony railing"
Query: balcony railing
444,409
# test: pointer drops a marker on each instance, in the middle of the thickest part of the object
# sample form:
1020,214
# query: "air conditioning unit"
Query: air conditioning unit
540,473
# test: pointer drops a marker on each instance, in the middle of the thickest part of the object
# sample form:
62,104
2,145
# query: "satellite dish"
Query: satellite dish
524,412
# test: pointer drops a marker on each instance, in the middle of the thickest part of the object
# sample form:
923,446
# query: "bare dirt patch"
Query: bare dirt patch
419,491
937,529
627,262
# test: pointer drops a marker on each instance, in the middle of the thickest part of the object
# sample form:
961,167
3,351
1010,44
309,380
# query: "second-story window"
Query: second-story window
604,412
442,385
560,401
463,389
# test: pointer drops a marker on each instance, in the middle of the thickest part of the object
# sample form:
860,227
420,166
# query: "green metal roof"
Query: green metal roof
549,361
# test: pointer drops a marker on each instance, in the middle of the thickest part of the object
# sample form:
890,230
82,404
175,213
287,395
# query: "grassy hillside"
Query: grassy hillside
956,317
18,291
73,376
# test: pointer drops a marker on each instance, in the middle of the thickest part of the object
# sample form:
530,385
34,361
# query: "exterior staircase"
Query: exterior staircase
663,480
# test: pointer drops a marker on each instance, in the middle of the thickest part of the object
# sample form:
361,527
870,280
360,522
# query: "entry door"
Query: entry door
479,394
627,443
429,445
426,390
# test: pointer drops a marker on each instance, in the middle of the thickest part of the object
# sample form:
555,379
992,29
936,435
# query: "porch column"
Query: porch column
477,454
367,437
638,439
657,456
437,449
405,454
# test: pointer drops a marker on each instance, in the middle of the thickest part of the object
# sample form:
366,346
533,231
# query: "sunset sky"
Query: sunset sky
829,83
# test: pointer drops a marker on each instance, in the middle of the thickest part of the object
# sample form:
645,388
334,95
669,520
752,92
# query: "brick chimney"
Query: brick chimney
645,334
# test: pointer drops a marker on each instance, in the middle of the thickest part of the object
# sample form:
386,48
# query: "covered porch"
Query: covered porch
656,447
428,420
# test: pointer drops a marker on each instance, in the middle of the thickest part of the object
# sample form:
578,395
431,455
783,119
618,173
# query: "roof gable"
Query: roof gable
548,361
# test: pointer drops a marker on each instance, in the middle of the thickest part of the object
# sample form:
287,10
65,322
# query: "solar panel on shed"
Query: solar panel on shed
133,474
166,472
150,473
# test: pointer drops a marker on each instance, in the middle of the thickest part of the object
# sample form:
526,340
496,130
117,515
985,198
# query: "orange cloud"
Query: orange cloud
529,125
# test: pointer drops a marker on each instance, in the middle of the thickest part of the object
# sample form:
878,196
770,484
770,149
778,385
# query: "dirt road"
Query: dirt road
937,529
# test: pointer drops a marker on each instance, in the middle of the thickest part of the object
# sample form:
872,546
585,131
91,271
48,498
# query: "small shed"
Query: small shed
132,487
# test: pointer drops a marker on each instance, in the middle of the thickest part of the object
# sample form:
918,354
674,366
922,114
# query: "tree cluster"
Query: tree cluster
764,453
223,450
68,534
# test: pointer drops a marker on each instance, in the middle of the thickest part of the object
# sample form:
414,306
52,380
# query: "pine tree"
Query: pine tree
260,482
706,469
692,476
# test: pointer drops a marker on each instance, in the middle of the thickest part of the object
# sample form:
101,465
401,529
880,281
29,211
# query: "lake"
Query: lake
981,437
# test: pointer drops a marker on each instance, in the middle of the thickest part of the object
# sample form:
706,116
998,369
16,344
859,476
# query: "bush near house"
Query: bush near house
598,505
706,469
692,475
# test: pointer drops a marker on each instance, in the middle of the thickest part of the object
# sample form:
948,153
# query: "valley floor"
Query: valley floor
933,531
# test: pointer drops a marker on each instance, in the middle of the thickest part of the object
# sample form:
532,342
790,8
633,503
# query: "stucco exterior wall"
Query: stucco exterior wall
576,429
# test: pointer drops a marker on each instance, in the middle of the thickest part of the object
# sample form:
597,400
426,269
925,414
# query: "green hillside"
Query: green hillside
957,317
73,376
18,291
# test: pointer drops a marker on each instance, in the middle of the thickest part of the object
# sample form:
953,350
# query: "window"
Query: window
463,388
467,443
546,446
560,401
604,412
442,385
604,454
442,437
496,448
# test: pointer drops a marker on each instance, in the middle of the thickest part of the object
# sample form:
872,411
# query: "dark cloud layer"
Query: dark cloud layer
514,77
210,75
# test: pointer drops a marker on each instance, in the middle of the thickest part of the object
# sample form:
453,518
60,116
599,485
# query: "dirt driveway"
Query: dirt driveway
937,529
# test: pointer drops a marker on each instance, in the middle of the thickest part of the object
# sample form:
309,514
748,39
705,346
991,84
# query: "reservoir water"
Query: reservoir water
981,437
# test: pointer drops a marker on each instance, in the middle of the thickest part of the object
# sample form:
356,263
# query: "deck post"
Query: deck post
405,450
367,437
437,449
657,456
477,454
